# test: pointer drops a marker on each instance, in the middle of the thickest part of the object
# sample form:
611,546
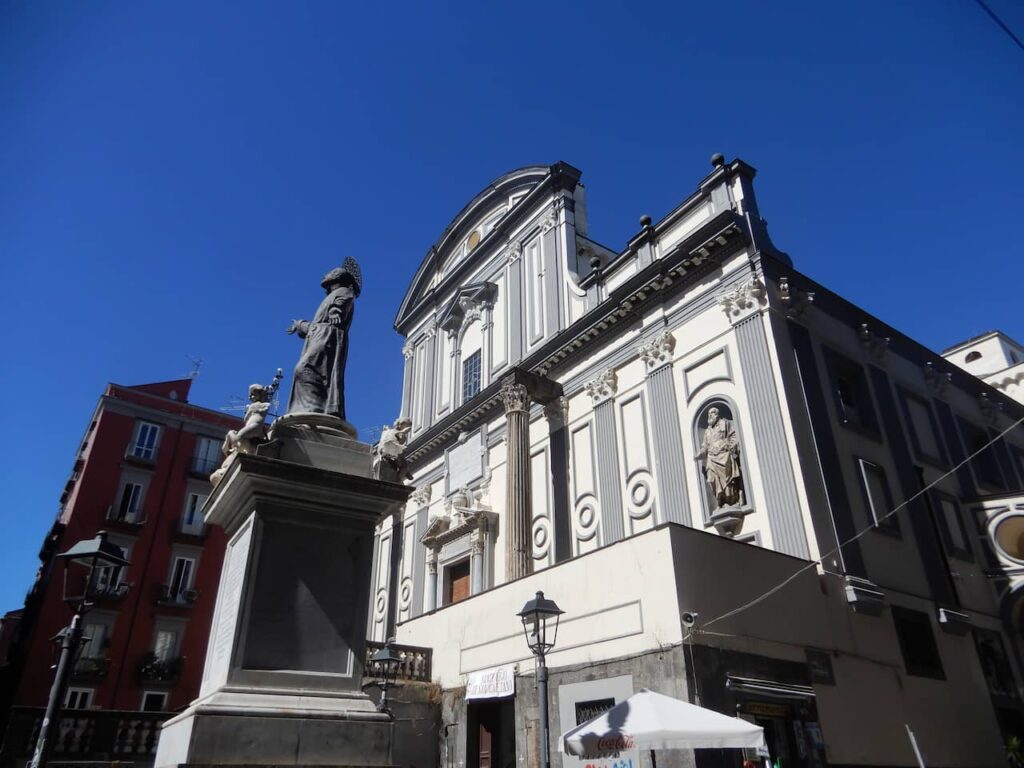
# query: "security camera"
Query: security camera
690,619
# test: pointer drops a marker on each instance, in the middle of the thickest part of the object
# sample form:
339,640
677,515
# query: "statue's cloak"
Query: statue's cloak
319,382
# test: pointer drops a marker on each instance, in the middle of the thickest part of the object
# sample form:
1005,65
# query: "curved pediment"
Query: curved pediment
470,229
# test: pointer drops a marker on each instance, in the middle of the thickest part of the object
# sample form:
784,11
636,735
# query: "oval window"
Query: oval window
1009,536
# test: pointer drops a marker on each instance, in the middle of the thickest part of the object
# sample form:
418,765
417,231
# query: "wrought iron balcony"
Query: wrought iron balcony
168,594
415,664
90,668
156,670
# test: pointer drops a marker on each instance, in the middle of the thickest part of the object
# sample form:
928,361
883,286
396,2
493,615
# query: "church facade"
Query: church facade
659,436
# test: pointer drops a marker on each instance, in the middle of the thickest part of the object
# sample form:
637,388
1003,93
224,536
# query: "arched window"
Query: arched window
972,356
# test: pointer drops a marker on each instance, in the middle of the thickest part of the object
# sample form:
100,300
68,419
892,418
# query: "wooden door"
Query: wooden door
486,742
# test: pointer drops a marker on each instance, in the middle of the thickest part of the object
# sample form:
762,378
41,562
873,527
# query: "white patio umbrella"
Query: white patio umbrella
649,720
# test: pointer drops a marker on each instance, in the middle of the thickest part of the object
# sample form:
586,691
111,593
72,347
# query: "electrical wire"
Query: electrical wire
816,563
997,20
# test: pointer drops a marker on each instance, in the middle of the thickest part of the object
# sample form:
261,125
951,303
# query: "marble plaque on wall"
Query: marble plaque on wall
465,462
229,596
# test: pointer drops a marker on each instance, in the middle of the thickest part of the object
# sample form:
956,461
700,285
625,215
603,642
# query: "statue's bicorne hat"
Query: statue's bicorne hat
349,267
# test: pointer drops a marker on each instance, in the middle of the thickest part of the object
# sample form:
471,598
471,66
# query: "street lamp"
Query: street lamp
540,624
91,554
388,662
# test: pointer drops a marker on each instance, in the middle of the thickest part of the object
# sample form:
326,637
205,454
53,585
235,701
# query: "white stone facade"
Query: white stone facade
838,419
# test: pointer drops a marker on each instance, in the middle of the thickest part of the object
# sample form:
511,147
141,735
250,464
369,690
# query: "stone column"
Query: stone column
431,602
516,400
476,566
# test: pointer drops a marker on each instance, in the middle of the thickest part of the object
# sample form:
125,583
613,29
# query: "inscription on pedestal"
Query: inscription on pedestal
229,600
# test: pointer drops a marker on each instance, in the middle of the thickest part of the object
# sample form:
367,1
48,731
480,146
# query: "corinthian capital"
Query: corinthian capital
514,396
603,387
658,350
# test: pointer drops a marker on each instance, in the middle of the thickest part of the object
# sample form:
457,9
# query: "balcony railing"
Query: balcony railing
196,528
87,735
171,595
90,668
156,670
108,592
131,517
415,661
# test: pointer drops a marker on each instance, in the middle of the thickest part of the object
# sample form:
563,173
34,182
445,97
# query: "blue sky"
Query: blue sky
175,177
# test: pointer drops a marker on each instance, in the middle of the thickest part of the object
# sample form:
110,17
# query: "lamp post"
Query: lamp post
540,624
92,554
388,662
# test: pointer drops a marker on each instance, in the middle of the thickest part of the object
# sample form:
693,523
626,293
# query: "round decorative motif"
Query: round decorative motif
1009,536
585,517
640,496
380,605
541,537
405,594
473,241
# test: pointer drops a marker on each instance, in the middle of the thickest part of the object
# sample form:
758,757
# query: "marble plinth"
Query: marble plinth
284,665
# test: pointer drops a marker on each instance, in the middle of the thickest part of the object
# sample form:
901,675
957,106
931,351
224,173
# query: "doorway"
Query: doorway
490,734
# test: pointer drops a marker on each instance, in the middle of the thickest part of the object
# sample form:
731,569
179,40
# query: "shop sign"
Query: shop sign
497,683
765,709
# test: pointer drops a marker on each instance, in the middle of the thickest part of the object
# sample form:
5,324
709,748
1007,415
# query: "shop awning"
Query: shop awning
649,720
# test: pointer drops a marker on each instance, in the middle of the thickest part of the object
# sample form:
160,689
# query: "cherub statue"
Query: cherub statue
254,430
388,463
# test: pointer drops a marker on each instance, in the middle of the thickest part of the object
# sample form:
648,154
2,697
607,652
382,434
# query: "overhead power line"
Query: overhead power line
1002,26
815,563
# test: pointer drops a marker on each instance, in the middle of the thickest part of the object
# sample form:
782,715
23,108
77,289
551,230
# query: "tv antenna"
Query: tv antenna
197,363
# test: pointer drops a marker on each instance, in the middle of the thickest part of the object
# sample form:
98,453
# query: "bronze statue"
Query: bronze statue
319,382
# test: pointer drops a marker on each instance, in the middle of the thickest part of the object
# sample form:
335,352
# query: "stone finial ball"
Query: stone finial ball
717,160
645,220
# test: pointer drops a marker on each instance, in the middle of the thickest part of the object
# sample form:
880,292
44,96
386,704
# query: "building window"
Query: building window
471,376
923,428
995,664
877,499
154,701
951,525
456,582
129,508
165,644
207,456
179,584
78,698
110,578
147,436
192,517
985,464
849,385
94,641
972,356
917,643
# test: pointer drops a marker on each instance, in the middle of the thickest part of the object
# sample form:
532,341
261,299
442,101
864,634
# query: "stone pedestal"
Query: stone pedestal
284,666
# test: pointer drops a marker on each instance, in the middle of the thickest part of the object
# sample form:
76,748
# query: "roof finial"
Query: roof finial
717,160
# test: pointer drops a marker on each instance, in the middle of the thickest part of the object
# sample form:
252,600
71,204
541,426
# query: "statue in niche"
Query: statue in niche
319,383
720,452
388,460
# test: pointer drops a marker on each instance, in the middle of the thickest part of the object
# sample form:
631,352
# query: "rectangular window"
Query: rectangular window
951,525
181,579
154,701
851,391
147,436
109,580
94,641
192,517
877,499
78,698
456,582
923,428
471,376
129,508
165,644
917,643
207,456
995,664
985,464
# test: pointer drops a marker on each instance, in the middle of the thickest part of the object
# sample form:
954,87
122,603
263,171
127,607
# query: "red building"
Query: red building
141,474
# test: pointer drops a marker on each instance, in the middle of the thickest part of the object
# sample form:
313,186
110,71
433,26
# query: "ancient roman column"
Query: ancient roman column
517,495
